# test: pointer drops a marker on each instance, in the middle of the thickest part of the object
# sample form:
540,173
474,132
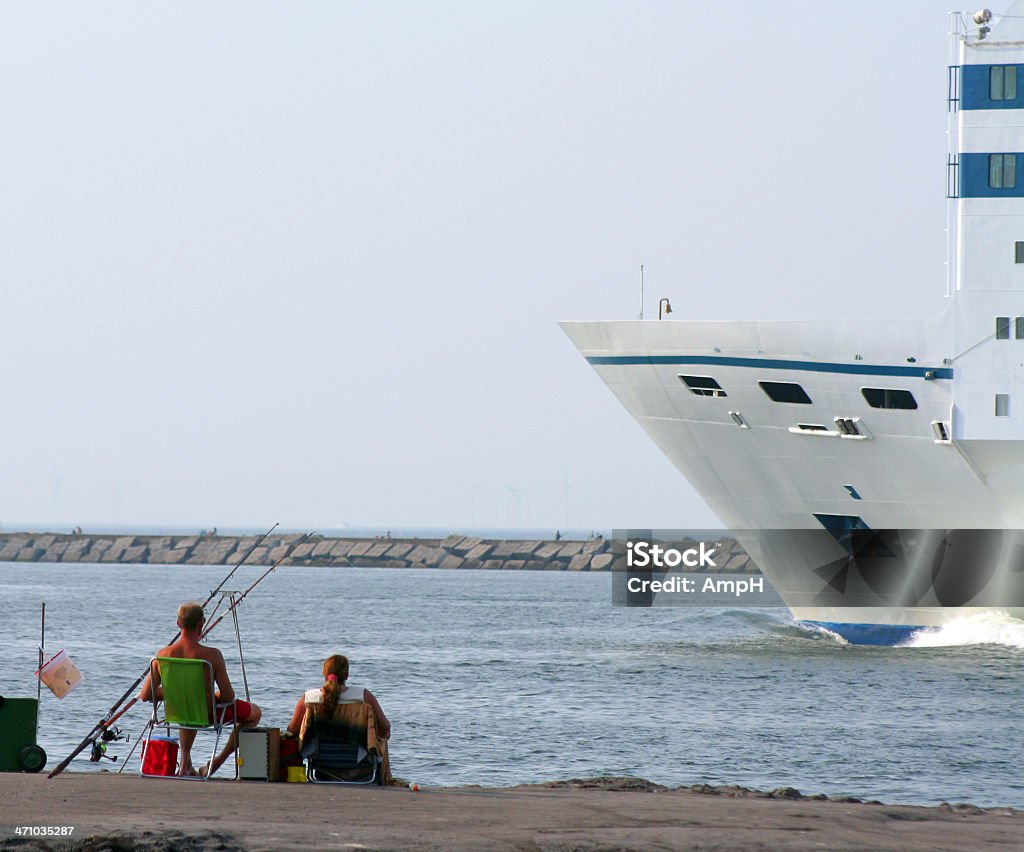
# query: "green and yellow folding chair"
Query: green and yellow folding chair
186,688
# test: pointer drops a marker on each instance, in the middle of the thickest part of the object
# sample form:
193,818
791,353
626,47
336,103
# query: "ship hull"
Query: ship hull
880,434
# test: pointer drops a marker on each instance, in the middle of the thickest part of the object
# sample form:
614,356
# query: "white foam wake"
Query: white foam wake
978,628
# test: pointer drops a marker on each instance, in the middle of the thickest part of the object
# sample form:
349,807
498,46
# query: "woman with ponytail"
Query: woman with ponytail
335,691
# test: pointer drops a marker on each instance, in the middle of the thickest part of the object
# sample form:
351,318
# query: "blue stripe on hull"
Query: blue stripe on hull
777,364
870,634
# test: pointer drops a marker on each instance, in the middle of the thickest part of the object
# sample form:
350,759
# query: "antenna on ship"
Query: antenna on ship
641,291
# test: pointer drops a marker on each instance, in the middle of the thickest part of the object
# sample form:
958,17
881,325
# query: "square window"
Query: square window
1018,251
1002,328
1002,405
702,385
1002,83
1002,171
786,392
890,398
995,83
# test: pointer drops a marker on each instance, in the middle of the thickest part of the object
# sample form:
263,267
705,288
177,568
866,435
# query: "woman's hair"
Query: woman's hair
336,665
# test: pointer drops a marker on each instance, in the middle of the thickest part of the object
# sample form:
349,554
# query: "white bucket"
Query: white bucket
60,674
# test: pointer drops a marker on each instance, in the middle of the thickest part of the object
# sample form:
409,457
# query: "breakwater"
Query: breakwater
451,553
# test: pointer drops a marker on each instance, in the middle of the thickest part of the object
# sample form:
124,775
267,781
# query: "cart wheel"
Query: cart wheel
32,758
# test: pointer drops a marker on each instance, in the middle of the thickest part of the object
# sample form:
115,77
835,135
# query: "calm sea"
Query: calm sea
513,677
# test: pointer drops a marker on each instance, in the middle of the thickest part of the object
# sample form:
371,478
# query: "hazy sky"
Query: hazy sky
303,262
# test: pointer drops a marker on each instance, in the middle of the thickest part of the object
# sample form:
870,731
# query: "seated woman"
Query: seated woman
352,708
335,692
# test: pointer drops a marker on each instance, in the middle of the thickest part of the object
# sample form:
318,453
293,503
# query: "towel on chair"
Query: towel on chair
354,723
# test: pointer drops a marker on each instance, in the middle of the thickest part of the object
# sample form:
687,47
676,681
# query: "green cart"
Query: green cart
19,751
19,725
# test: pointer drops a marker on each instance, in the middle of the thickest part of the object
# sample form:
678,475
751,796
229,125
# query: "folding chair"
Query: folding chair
188,703
343,748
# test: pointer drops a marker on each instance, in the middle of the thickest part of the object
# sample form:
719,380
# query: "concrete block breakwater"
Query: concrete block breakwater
451,553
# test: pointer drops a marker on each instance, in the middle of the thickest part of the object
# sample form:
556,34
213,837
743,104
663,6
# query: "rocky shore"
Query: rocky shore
451,553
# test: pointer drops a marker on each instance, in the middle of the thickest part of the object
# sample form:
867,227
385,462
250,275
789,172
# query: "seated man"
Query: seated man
190,622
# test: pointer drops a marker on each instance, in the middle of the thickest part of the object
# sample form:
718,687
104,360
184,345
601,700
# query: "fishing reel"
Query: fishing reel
99,747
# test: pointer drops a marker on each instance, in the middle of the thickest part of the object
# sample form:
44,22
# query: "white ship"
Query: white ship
879,424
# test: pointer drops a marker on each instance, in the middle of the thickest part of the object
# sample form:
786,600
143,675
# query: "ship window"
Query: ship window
1002,328
702,385
889,398
1018,328
1002,171
1018,251
786,392
811,427
1002,83
1002,405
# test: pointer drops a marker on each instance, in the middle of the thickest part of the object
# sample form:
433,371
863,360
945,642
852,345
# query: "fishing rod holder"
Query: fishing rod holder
234,598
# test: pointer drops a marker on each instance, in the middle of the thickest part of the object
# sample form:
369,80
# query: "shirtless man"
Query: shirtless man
190,622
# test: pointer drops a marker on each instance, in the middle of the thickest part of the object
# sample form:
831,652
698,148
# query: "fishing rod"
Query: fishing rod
235,598
238,565
236,601
109,716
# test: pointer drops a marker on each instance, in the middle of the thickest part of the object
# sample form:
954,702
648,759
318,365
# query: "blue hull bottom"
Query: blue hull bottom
870,634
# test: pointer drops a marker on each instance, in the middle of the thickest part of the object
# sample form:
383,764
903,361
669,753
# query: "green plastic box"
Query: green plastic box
18,749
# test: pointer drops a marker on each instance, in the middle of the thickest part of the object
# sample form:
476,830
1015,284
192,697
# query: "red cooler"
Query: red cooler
160,756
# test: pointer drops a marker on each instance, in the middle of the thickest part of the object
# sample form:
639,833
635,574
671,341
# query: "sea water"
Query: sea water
501,678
